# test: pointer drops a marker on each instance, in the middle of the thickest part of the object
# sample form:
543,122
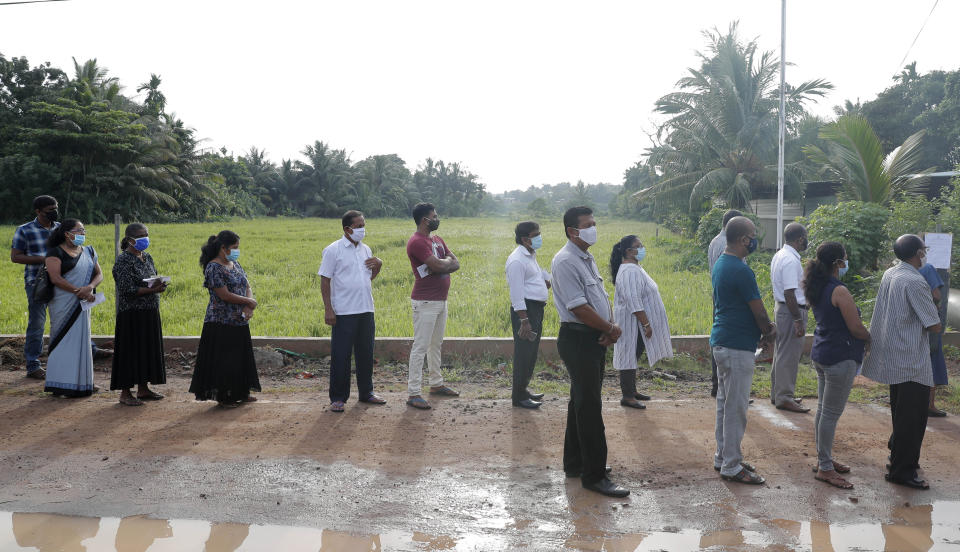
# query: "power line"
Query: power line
30,2
900,66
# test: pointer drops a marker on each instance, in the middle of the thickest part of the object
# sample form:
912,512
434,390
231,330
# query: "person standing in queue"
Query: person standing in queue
939,361
899,356
789,314
432,263
717,245
740,321
138,336
586,330
529,290
225,370
346,271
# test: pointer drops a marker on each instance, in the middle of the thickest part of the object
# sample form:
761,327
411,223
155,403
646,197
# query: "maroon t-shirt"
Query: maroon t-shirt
432,287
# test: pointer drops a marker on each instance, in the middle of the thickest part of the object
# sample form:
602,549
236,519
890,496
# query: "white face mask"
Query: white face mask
589,235
358,234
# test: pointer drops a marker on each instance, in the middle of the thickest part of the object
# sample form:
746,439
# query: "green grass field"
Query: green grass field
281,257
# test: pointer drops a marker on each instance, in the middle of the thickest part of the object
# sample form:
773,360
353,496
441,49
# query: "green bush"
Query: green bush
913,215
857,225
949,220
709,226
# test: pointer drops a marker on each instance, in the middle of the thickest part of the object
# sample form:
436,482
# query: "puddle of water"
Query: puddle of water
914,528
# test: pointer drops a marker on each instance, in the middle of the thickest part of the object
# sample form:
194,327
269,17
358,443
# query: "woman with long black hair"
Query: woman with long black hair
838,345
75,274
138,337
639,311
225,370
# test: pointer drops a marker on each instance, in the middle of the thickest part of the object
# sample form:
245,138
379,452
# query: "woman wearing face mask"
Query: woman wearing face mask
225,370
838,345
75,273
138,337
639,311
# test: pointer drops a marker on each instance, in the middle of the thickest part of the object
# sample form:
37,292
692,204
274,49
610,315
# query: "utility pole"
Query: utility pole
783,120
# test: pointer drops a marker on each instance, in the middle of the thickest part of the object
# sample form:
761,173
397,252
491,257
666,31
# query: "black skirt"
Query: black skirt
225,370
138,350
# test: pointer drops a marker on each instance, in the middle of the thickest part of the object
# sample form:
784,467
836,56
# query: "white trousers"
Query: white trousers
429,324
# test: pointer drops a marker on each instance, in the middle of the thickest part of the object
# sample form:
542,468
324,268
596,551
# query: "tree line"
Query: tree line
102,152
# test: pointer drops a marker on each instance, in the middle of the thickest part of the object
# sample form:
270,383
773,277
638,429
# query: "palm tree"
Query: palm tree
92,83
155,102
854,156
325,182
721,134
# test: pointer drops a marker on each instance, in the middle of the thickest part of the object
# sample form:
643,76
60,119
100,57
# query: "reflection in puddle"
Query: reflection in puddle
915,528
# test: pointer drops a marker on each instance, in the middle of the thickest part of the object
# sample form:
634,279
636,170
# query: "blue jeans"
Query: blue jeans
735,377
33,347
833,389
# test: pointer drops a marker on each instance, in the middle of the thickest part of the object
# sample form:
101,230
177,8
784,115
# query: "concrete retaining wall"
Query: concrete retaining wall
398,348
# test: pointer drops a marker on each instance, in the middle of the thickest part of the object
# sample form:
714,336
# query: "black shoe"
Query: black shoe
535,396
632,404
713,392
936,413
915,483
527,403
606,469
641,397
608,488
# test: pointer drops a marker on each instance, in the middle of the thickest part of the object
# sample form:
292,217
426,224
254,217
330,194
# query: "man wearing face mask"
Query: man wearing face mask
30,248
586,330
432,263
346,271
528,285
740,321
899,356
790,314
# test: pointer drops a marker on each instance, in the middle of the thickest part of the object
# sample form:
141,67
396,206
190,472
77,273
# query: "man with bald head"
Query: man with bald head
717,245
739,323
790,315
899,356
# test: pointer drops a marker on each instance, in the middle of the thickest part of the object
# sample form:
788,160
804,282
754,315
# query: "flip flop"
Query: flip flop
151,396
746,477
837,482
336,406
837,467
745,465
132,401
419,402
373,399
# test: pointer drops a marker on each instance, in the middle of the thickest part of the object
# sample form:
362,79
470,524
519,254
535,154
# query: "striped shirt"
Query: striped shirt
31,238
577,281
636,291
900,348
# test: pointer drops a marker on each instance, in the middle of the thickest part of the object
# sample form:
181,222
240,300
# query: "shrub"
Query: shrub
709,225
912,215
857,225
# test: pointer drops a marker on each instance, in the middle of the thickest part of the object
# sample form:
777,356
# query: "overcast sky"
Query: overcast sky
521,92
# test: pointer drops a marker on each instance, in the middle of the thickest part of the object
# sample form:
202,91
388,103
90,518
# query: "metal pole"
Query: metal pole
783,120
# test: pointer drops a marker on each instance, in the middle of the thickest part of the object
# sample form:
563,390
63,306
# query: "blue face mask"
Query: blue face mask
754,243
233,255
536,242
843,270
141,244
641,253
78,239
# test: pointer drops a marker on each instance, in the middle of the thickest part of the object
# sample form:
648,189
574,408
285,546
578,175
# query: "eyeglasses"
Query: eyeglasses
75,232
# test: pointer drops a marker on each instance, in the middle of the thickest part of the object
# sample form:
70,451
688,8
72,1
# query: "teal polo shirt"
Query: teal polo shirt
734,286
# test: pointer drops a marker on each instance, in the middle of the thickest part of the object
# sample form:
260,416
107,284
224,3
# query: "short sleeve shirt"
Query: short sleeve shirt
432,287
930,273
577,281
734,286
786,272
31,238
351,291
716,248
219,311
128,274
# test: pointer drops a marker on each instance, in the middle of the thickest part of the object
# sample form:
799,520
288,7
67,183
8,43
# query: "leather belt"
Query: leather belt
578,327
798,304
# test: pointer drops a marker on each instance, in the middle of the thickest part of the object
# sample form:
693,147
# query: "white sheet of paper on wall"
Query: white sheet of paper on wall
939,253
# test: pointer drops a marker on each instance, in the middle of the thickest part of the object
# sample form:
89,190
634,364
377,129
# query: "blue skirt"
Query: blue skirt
938,360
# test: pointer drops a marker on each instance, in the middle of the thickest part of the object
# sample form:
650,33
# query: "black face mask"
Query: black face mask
52,216
433,224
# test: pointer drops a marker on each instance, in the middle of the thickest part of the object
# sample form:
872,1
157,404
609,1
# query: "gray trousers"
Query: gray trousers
735,378
833,389
786,355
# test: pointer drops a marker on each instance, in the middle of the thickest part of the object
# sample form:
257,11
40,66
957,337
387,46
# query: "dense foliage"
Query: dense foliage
103,153
858,225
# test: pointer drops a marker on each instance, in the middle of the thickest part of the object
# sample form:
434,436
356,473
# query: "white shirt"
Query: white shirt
525,278
350,288
786,272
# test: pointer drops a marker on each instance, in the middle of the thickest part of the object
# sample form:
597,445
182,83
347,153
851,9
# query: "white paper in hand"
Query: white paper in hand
97,299
423,270
156,280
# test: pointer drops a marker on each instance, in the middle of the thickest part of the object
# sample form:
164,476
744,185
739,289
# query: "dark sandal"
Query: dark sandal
228,404
249,398
419,402
131,401
633,404
745,465
336,406
373,399
746,477
837,467
836,481
151,396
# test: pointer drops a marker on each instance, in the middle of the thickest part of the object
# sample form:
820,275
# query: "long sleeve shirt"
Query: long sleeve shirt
525,278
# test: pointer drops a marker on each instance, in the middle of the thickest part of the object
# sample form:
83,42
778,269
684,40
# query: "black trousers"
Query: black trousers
909,403
585,441
352,334
525,351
